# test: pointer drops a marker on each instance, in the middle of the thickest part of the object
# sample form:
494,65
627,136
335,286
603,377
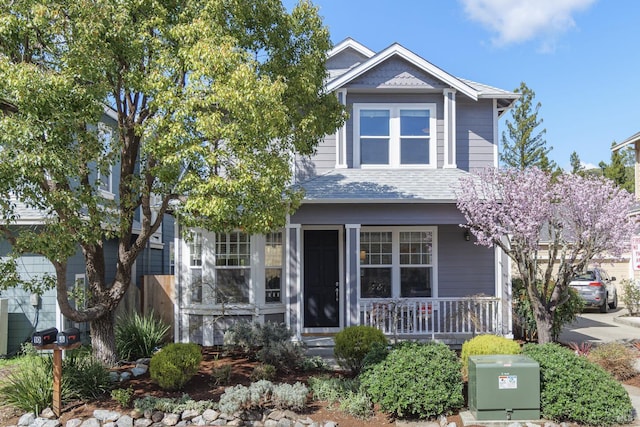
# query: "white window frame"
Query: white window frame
394,134
395,258
246,269
106,132
267,265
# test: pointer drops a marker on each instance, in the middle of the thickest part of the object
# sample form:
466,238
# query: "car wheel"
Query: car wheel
614,304
604,307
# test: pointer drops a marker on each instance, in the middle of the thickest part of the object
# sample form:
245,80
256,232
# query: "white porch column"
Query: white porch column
450,128
341,135
293,283
352,274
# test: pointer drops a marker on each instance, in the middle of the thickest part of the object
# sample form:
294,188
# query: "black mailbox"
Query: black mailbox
44,337
68,337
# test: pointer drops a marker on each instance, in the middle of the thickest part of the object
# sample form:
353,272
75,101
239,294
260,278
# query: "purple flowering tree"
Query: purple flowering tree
580,217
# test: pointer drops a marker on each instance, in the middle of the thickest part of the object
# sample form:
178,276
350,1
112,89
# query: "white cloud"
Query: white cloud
516,21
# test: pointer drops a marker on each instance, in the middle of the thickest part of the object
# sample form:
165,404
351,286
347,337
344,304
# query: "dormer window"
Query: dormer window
394,135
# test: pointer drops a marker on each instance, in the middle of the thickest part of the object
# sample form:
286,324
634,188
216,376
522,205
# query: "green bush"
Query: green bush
353,343
268,343
572,389
357,404
139,335
377,353
332,389
615,358
221,374
263,372
630,296
29,389
524,321
486,344
416,380
123,396
83,376
175,364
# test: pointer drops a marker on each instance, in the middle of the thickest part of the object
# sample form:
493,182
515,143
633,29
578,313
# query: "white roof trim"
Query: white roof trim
635,138
396,49
351,43
377,201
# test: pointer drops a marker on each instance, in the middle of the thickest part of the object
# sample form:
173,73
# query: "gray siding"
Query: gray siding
464,268
323,160
378,214
474,134
395,73
343,61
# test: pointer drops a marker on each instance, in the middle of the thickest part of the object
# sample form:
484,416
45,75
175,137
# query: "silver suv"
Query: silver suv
596,289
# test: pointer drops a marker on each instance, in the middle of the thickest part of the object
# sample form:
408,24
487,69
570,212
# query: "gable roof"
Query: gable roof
631,140
383,185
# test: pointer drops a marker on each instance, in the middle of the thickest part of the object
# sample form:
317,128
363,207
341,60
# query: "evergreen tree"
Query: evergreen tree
576,165
523,147
620,169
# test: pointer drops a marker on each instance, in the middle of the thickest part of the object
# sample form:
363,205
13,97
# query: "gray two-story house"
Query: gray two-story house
377,239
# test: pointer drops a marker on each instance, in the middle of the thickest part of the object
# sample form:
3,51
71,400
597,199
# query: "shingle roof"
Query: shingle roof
383,185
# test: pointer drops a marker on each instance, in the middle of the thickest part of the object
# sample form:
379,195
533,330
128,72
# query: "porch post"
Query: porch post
352,273
293,284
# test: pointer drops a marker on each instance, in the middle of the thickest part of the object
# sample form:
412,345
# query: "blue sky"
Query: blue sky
581,57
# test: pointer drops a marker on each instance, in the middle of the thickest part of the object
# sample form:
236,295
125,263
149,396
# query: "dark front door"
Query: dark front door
321,279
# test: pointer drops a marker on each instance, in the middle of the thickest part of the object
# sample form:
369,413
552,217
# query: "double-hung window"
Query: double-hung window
195,266
397,263
394,135
233,267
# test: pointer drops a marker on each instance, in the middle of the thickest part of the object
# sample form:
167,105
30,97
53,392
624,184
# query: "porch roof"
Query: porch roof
384,185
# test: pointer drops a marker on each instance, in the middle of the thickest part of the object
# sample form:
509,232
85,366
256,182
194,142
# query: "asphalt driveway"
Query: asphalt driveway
597,327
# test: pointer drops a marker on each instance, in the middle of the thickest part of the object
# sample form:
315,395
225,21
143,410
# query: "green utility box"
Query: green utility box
504,387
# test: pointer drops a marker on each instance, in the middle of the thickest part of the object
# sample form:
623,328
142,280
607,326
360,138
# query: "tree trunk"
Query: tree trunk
544,323
103,339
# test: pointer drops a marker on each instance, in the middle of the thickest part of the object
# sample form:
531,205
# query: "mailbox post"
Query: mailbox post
43,340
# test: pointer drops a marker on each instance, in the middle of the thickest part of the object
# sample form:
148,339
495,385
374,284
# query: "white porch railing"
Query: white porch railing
428,317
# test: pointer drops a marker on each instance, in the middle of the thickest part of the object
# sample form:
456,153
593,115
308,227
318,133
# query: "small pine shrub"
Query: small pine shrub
353,343
288,396
175,364
30,389
263,372
416,380
486,344
616,359
139,335
123,396
572,389
221,374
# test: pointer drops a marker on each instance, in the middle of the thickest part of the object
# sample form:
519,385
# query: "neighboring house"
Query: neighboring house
377,239
27,312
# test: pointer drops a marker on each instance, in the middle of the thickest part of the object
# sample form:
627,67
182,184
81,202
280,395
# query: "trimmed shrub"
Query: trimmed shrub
290,396
416,380
486,344
615,358
572,389
139,335
174,365
376,354
353,343
630,296
262,394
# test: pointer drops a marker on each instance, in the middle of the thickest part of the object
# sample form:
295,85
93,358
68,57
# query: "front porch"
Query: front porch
448,320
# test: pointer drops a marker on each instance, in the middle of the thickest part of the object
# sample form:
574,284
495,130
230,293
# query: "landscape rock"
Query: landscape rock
27,419
74,422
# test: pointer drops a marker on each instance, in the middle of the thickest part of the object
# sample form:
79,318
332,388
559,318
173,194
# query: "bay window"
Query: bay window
397,263
394,135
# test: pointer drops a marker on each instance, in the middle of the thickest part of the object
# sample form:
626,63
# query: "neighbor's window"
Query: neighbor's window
273,255
394,135
105,134
396,263
233,267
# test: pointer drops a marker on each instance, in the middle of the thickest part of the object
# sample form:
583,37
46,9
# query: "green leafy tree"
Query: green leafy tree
620,169
522,147
211,98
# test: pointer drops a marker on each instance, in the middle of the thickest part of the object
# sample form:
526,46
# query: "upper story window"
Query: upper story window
394,135
105,180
